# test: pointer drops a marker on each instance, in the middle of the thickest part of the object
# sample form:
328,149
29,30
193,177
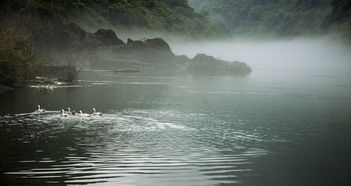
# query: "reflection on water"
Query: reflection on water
180,131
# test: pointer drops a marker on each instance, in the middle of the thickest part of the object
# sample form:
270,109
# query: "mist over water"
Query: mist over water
314,56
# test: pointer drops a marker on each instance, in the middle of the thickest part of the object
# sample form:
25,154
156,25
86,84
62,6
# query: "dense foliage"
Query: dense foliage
278,17
340,17
171,16
17,60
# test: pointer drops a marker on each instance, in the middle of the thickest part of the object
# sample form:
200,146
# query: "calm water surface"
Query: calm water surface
281,129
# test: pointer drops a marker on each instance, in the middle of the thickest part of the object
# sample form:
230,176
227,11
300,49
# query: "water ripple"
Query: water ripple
128,147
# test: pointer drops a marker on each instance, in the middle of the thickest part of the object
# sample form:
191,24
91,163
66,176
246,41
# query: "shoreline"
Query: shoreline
5,88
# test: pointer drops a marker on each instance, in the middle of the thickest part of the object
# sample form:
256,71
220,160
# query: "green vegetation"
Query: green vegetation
283,17
170,16
339,19
17,59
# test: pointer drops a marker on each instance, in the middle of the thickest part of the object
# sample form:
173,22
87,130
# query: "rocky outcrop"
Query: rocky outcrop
183,59
107,37
79,32
155,51
105,50
56,40
203,64
135,45
158,44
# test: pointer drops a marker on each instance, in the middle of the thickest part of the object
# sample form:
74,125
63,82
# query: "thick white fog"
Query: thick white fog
311,55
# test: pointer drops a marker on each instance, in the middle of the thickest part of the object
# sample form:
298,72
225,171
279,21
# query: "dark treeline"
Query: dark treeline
279,17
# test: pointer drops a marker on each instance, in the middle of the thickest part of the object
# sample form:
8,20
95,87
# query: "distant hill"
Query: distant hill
170,16
278,17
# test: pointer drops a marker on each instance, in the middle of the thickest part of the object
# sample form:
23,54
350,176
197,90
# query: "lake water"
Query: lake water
271,128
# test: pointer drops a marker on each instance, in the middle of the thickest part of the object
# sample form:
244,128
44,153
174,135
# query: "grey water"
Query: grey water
277,126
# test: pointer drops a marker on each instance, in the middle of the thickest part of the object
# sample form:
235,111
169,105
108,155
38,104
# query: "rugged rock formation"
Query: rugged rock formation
135,44
151,51
56,41
108,37
159,44
104,50
203,64
79,32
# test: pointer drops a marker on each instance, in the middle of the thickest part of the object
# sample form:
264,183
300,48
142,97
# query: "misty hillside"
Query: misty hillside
170,16
41,38
339,18
284,17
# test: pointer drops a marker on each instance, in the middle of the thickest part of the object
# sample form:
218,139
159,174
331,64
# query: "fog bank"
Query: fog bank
311,55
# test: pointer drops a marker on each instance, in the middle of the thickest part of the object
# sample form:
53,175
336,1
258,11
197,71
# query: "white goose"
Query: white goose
63,113
39,110
96,113
83,114
69,111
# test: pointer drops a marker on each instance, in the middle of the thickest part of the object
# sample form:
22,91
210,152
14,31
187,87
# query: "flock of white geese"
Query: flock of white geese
67,113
